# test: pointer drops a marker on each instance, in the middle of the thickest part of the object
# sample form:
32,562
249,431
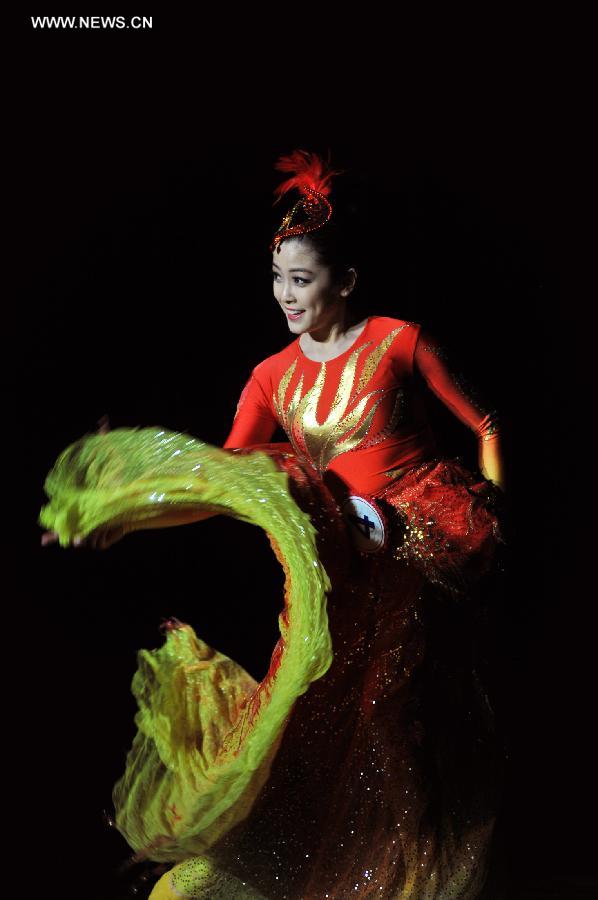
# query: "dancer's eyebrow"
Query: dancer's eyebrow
309,271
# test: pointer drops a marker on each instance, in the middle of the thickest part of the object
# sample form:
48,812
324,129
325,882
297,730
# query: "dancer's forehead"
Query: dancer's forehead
296,256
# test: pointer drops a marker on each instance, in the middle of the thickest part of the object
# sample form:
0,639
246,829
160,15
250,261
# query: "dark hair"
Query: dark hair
340,245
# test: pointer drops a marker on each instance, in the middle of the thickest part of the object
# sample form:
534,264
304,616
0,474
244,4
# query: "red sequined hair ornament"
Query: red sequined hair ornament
312,178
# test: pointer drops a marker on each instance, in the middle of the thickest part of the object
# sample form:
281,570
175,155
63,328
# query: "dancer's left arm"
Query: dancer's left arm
431,361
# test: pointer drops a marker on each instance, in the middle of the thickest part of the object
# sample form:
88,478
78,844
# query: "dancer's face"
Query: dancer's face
302,283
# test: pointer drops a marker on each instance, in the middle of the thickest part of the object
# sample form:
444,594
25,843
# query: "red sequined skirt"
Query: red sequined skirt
386,781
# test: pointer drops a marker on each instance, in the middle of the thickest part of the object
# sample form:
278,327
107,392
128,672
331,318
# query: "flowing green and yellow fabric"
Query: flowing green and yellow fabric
207,732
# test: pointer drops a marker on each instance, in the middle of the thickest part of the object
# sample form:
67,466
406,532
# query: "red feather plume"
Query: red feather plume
310,170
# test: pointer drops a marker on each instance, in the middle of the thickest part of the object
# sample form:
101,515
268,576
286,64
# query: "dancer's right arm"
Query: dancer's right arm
254,421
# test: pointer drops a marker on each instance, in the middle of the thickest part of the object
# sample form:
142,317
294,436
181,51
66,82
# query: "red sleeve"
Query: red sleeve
254,421
431,361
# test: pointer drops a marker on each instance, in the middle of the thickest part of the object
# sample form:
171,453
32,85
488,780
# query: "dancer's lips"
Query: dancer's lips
294,313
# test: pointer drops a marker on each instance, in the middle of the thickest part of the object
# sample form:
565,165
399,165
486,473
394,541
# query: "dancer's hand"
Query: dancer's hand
103,424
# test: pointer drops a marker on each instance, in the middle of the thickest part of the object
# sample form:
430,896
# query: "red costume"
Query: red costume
364,763
360,415
385,782
359,420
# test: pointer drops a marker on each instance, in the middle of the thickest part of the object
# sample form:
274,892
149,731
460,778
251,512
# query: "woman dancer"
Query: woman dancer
364,763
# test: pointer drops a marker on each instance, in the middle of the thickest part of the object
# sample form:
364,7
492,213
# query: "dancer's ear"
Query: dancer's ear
348,282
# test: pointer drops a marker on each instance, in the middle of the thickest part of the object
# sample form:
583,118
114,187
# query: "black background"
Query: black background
142,178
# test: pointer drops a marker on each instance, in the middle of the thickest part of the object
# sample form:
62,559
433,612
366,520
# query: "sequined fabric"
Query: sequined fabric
385,783
377,773
449,519
363,414
200,878
349,419
207,732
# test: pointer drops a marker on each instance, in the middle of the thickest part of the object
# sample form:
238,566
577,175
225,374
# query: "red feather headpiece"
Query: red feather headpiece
312,178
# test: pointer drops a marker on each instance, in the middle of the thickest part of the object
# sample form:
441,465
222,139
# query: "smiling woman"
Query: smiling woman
364,764
314,302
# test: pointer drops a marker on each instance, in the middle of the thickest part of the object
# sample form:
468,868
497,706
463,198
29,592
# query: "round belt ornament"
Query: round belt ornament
365,522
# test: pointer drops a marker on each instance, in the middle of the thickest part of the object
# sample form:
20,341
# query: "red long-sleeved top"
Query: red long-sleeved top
360,415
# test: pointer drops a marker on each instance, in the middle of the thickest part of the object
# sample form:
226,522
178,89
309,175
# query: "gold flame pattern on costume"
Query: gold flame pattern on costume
344,428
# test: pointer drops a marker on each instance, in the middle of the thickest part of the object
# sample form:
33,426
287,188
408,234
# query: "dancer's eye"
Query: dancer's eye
296,278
